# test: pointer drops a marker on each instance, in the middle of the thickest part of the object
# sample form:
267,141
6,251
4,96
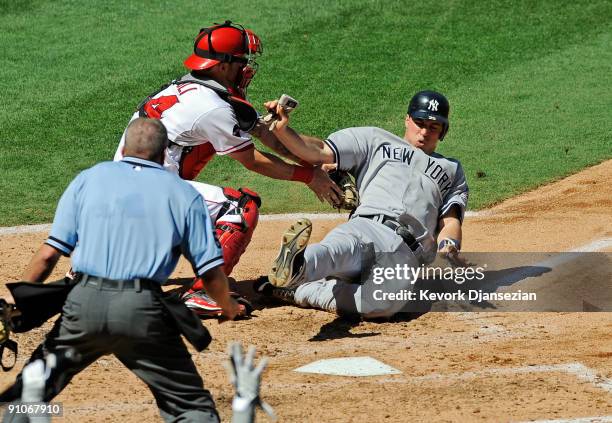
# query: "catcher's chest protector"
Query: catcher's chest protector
194,159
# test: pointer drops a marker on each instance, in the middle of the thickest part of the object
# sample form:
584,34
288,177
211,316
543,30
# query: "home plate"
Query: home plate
349,366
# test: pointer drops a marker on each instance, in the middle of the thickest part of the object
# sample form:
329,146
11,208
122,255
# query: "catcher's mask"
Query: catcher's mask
430,105
227,43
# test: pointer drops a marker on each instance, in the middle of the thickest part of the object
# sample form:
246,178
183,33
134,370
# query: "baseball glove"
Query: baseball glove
350,199
6,326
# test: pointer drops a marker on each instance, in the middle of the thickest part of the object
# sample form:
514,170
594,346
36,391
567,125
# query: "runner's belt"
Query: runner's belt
397,227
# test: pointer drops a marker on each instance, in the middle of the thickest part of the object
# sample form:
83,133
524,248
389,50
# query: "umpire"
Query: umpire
125,225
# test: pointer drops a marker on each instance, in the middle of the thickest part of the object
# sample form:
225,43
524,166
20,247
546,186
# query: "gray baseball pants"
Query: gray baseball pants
333,269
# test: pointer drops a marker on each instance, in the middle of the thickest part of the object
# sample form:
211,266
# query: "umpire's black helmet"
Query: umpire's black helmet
430,105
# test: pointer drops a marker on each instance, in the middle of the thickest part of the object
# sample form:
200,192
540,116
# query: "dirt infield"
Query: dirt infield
484,367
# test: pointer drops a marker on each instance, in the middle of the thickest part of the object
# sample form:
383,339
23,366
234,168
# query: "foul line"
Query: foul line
556,261
295,216
594,246
577,369
598,419
45,227
28,229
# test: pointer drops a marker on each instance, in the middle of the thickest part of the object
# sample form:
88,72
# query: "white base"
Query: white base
349,366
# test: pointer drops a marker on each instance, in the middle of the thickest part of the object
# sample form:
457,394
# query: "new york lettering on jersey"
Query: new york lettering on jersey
403,154
433,168
394,178
438,174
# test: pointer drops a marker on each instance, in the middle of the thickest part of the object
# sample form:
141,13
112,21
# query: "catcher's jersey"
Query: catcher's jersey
393,177
200,124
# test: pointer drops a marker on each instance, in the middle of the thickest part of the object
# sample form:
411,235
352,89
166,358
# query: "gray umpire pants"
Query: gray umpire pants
133,325
334,267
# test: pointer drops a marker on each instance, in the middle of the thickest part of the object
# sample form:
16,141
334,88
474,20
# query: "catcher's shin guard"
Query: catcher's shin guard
235,235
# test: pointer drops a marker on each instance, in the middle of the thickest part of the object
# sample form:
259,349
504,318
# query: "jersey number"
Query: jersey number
156,106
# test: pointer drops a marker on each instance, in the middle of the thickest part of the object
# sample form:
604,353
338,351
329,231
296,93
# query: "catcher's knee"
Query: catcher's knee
236,236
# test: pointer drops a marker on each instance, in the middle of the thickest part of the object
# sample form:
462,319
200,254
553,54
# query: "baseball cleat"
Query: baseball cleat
263,287
204,306
288,267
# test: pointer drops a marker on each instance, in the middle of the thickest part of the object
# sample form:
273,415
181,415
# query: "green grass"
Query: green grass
529,84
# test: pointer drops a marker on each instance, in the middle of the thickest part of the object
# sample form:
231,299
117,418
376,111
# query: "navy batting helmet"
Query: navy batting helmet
430,105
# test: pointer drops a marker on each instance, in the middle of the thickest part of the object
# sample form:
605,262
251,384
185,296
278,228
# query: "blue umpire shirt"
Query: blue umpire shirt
133,219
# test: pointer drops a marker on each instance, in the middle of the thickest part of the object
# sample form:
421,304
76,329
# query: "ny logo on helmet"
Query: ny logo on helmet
433,105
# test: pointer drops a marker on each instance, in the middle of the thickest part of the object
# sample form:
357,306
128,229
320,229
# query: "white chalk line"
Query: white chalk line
26,229
295,216
45,227
596,245
577,369
597,419
591,247
558,260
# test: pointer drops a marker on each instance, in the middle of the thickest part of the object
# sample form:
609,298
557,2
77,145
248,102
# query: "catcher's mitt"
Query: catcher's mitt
350,199
6,326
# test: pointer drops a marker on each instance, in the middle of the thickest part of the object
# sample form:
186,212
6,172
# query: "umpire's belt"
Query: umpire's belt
138,284
187,322
397,227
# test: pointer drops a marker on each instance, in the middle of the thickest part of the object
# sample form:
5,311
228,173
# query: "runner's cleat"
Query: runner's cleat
288,267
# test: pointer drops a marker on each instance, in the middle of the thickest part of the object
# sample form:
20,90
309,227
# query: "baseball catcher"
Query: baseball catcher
207,113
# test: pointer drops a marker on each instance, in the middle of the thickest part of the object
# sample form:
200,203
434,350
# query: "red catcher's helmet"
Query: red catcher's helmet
227,43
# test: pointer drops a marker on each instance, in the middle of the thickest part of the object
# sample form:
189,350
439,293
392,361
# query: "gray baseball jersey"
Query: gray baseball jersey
395,179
